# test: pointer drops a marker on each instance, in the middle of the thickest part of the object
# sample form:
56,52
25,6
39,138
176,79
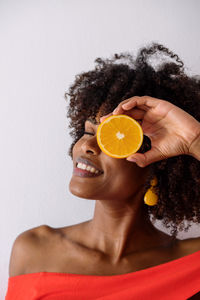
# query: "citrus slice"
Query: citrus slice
119,136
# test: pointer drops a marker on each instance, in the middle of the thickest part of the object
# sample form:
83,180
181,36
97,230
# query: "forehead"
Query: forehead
93,121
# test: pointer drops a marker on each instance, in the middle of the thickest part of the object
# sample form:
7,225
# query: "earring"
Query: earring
150,198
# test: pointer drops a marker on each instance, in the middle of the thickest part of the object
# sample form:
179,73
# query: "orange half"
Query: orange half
119,136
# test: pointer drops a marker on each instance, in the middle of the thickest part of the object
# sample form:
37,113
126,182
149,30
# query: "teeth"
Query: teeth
88,168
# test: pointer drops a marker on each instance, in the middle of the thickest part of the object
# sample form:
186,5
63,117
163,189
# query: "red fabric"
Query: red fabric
175,280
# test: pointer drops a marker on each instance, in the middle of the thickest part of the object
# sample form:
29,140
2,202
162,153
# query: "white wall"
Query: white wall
43,45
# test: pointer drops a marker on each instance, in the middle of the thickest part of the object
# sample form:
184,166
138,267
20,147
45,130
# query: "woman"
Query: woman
119,254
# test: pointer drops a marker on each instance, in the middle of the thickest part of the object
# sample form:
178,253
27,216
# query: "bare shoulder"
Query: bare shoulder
189,246
25,246
44,248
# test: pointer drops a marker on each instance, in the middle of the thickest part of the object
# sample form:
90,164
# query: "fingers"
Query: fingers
119,109
149,157
137,114
144,102
105,117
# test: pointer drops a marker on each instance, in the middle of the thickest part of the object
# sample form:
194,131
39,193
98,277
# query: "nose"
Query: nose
91,146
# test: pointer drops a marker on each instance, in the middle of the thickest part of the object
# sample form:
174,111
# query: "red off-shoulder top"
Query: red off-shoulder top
175,280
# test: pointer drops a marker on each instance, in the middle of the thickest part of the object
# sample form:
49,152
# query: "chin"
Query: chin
80,192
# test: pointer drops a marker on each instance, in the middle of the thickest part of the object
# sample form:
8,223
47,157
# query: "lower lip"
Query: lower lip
84,173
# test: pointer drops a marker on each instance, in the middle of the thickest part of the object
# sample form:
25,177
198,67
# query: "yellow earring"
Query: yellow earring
150,198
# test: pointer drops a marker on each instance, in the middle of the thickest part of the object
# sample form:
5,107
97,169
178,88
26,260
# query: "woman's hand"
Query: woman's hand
171,130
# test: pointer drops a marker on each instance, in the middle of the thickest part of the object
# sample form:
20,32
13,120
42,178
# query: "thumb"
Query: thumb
143,160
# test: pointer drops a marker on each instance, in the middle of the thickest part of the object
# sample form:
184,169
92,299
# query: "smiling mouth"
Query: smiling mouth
84,165
85,173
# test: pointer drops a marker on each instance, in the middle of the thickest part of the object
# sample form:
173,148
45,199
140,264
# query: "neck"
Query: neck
121,227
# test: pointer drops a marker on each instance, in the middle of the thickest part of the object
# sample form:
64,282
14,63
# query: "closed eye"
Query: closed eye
85,132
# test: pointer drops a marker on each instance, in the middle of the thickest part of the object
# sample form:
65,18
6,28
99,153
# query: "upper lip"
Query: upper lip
86,161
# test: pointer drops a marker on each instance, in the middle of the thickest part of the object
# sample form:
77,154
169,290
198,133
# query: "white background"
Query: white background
44,44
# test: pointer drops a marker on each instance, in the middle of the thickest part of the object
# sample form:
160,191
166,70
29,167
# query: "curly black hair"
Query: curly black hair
123,76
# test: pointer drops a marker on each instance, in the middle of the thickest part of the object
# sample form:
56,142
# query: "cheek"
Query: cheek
122,179
120,186
76,146
129,176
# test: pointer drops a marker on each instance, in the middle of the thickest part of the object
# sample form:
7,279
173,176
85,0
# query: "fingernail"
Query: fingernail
125,105
132,159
